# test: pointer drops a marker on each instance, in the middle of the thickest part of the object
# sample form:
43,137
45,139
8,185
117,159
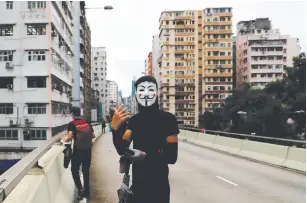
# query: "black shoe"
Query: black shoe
80,194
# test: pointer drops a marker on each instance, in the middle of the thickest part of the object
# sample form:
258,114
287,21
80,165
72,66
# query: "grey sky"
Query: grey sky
127,30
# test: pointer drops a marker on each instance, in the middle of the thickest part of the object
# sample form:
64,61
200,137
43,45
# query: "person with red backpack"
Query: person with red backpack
82,133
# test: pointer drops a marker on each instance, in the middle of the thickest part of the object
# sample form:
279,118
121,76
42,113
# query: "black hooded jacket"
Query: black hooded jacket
150,130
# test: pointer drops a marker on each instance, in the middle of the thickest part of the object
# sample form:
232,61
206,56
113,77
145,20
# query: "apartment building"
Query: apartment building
36,77
195,61
156,52
149,64
262,52
99,76
112,92
85,61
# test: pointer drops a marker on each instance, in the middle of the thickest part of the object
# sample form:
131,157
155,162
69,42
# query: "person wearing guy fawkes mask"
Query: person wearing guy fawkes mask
153,132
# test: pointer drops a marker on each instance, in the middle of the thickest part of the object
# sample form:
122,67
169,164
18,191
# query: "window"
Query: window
36,4
36,55
6,56
8,134
36,82
6,108
35,135
9,5
5,81
95,58
36,108
36,29
6,30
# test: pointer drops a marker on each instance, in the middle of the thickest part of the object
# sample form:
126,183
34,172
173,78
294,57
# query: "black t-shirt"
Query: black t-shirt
149,132
72,127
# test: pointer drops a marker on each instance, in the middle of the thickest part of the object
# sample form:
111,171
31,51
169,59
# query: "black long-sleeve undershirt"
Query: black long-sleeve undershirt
118,141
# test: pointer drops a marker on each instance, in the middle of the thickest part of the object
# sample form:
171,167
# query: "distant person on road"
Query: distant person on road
153,132
82,133
103,125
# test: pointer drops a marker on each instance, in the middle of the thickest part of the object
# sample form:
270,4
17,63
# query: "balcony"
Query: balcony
184,26
218,23
184,17
215,92
218,83
217,32
267,53
218,57
215,65
184,51
183,101
186,43
214,100
267,62
217,40
217,75
222,14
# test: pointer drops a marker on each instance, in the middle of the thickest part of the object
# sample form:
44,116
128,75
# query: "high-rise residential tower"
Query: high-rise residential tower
99,76
196,61
262,52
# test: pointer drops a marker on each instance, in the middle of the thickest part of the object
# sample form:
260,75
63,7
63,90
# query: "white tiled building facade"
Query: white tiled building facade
36,50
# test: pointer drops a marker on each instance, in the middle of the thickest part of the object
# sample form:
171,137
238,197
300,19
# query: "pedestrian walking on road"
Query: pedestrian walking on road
82,133
153,132
103,125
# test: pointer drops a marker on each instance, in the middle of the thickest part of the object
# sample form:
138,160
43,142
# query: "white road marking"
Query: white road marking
227,181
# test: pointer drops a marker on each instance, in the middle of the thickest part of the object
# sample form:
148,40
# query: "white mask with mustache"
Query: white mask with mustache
146,93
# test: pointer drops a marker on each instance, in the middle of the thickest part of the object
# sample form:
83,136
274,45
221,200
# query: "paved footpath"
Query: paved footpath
202,175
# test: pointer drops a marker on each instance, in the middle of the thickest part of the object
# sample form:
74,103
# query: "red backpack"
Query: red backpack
84,135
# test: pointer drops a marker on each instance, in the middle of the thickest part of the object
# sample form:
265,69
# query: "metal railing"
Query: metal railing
10,179
272,140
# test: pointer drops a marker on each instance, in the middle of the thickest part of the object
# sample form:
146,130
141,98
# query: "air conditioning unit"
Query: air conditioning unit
10,86
9,65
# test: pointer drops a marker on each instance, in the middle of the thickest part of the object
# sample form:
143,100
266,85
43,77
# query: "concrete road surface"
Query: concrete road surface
202,175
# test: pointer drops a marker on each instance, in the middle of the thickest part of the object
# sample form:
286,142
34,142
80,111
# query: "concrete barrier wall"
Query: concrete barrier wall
51,183
278,155
296,159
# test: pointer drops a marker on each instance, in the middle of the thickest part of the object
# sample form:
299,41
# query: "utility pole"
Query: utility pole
76,62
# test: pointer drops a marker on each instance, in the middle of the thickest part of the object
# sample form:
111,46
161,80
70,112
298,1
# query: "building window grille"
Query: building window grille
36,108
36,29
8,134
36,4
6,108
36,135
9,5
36,55
6,30
6,56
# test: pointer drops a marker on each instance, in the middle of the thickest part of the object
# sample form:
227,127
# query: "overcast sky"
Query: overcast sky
127,30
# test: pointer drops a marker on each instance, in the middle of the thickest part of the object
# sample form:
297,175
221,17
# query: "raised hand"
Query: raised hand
120,116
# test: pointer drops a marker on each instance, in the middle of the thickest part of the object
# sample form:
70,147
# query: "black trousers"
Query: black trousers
81,158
